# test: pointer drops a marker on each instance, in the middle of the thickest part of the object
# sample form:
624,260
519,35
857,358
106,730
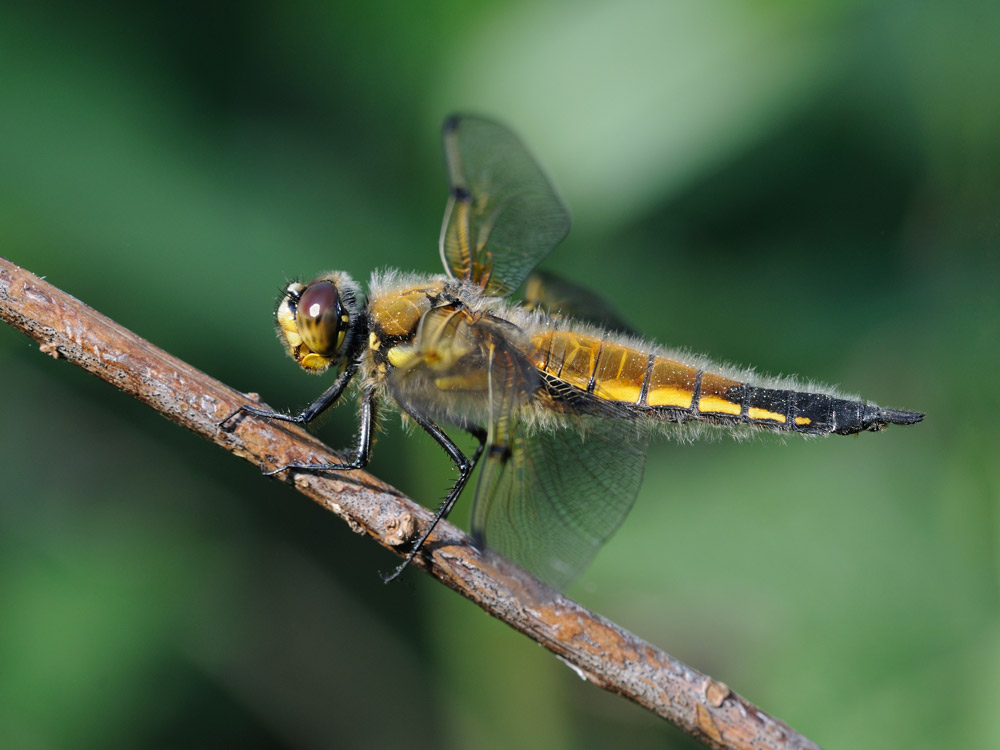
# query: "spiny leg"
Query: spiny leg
465,467
317,407
362,450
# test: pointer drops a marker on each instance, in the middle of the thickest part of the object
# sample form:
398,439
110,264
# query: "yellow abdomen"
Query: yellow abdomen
616,373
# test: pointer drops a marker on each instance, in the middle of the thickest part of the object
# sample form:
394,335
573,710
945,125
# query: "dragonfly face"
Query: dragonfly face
561,400
318,322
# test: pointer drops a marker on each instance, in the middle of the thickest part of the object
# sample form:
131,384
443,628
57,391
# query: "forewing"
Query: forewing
549,499
503,214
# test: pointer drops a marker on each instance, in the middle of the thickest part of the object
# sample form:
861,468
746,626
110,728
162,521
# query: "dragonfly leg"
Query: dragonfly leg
317,407
362,451
465,466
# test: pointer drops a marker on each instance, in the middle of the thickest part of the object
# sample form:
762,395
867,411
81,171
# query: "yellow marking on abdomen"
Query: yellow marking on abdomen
618,390
671,384
669,396
615,372
803,420
619,373
716,405
756,413
610,371
713,395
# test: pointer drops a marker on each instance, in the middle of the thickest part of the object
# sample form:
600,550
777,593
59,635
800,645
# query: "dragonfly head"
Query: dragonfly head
318,322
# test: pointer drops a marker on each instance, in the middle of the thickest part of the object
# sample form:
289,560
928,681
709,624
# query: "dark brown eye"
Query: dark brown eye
319,318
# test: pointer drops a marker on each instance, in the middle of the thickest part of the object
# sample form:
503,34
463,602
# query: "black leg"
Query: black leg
321,404
464,466
363,449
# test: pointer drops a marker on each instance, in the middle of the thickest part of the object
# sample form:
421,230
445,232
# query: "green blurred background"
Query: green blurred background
808,188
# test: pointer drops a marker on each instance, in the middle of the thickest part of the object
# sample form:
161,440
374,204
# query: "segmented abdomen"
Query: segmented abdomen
662,387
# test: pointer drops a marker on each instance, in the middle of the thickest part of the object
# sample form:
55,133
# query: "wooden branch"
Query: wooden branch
596,649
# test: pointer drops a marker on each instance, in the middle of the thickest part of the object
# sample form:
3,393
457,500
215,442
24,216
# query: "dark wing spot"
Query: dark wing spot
499,451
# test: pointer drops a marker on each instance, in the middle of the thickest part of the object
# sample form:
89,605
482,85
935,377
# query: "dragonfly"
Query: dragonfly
561,397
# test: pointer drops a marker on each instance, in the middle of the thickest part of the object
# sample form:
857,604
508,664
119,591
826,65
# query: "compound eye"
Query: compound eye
320,318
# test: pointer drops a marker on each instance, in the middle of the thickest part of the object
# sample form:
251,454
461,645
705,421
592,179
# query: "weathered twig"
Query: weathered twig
597,649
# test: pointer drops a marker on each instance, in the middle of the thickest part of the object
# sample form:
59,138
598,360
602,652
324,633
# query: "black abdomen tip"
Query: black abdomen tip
875,418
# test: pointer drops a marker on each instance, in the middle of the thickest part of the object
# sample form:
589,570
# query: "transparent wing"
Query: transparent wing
503,215
549,500
559,296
